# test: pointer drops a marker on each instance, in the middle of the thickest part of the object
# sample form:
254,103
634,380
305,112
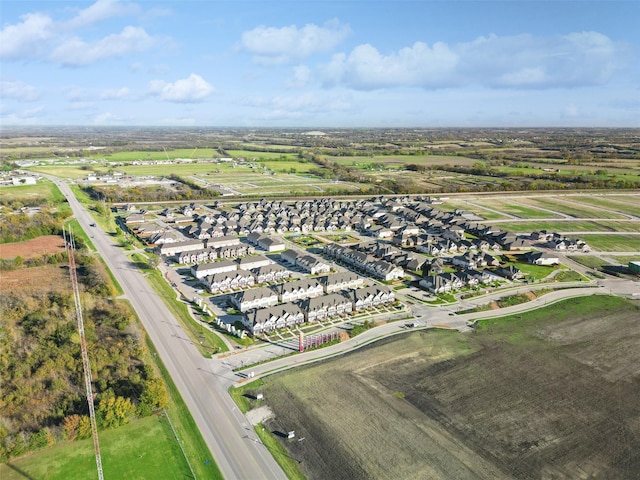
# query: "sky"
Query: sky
321,63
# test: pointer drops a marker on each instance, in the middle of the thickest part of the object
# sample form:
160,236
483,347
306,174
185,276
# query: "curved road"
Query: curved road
230,438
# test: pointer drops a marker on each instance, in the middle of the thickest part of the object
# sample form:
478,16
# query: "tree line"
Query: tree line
41,371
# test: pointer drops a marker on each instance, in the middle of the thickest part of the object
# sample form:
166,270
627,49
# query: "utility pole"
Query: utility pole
70,247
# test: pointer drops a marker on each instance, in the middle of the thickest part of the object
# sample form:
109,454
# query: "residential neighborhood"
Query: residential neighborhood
249,251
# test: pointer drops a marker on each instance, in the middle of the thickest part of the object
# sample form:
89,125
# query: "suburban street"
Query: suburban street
203,383
230,438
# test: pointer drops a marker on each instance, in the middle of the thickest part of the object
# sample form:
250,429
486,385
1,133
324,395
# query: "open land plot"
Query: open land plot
73,171
286,166
31,279
181,169
512,206
399,161
158,155
261,155
256,183
43,191
613,243
142,450
569,207
547,394
33,248
563,226
622,203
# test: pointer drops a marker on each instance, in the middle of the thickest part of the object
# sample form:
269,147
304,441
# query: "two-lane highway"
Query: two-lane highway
226,430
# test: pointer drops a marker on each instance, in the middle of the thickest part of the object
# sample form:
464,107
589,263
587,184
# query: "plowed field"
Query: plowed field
553,394
32,248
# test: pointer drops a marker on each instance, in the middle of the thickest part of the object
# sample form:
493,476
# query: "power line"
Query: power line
69,244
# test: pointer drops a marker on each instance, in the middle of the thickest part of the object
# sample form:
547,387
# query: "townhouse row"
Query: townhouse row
291,314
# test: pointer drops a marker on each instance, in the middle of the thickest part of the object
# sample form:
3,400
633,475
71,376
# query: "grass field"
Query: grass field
145,449
613,243
544,394
261,156
621,203
562,226
570,206
511,206
43,191
161,155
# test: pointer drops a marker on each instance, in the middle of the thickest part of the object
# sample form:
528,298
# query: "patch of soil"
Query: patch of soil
36,279
33,248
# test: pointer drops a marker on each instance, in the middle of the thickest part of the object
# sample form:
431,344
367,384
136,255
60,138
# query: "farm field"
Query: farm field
399,161
33,248
544,394
142,450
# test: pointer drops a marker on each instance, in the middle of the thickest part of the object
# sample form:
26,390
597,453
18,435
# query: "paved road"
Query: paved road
226,431
443,317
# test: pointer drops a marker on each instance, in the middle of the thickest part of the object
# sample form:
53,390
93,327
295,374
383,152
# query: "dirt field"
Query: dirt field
46,278
552,395
32,248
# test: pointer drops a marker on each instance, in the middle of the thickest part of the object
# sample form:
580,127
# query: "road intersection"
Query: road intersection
204,383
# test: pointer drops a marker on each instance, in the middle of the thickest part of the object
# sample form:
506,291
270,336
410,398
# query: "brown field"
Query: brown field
32,248
47,278
553,394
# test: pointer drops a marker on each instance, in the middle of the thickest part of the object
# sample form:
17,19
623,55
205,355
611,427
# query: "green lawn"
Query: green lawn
535,272
145,449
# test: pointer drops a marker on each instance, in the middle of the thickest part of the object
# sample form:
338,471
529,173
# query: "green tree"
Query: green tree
84,427
153,397
114,411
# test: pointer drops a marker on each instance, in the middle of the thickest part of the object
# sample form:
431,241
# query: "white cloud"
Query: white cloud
26,39
274,46
114,93
296,106
192,89
76,52
106,118
301,77
17,90
521,61
30,116
419,65
101,10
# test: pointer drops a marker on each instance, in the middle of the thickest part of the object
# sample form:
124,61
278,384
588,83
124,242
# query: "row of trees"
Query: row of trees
182,190
20,226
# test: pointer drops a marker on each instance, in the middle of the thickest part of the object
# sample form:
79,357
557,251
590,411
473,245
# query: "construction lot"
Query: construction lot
548,394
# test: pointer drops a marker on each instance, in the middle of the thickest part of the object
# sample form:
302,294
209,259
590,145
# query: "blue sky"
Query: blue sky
321,63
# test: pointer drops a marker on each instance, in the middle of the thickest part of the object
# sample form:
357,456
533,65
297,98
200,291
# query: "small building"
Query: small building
260,297
203,270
